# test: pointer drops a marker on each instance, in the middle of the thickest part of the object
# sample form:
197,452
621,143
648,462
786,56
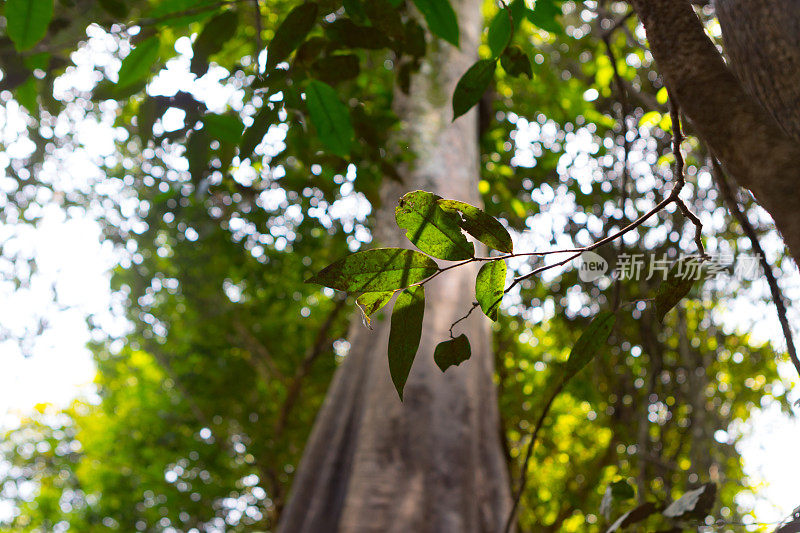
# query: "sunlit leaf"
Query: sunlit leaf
544,15
377,270
441,18
371,302
330,117
452,352
291,33
430,228
139,63
472,85
694,503
404,334
591,341
480,225
27,20
489,286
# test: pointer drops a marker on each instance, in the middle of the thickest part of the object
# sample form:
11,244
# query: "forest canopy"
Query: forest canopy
436,265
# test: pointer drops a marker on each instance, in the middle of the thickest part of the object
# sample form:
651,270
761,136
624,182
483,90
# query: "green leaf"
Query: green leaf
330,116
590,342
483,227
371,302
27,21
291,33
472,85
351,35
224,128
176,13
404,334
145,119
333,69
622,490
116,8
452,352
27,95
489,285
355,10
215,34
377,270
544,14
516,62
500,30
430,228
197,153
441,19
137,65
634,516
255,132
415,45
694,503
385,18
679,281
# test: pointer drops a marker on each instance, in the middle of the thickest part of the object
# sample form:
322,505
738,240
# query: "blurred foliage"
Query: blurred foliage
202,409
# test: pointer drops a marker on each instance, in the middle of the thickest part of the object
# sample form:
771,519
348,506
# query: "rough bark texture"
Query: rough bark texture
433,463
740,131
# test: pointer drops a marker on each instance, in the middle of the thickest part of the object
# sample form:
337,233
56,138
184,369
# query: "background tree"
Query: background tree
206,409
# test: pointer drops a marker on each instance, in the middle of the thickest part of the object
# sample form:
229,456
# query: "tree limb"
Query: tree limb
741,134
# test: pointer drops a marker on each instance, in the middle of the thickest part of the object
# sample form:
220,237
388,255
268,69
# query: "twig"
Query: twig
774,288
523,477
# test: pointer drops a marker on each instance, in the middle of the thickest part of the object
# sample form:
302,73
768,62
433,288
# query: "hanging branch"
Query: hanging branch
749,230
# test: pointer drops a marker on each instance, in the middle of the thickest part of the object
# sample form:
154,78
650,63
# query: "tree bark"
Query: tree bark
434,462
741,132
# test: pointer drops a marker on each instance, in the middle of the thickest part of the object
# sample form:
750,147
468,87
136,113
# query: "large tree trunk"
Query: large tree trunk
748,122
432,463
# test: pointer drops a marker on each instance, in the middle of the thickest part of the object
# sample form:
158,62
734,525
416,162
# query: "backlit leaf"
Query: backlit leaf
516,62
404,334
139,63
472,85
377,270
679,281
430,228
371,302
253,135
291,33
483,227
441,18
27,20
452,352
489,285
225,128
330,117
590,342
544,15
215,34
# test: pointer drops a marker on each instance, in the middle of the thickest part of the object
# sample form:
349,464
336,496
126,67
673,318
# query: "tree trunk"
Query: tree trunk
738,119
434,462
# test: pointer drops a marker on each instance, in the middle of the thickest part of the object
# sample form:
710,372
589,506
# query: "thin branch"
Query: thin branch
304,369
749,230
523,476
